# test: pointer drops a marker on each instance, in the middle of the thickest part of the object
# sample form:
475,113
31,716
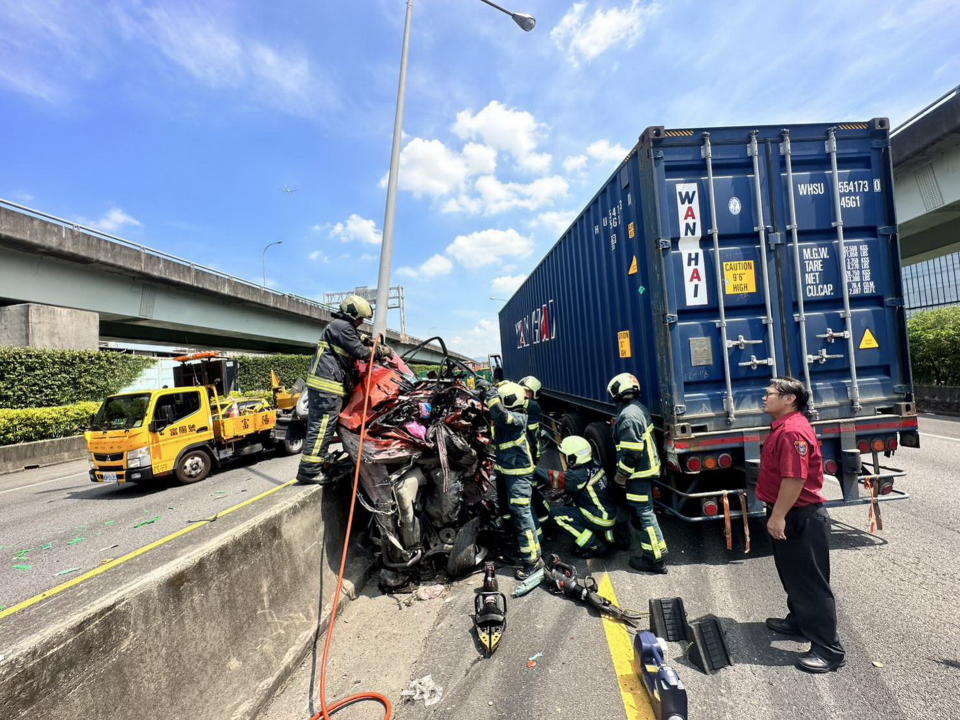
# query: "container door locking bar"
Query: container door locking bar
707,153
761,229
845,283
797,277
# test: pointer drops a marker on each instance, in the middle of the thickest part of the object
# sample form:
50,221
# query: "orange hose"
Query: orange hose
327,710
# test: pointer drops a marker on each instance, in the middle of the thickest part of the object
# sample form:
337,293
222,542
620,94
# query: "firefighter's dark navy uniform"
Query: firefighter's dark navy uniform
332,376
514,467
591,516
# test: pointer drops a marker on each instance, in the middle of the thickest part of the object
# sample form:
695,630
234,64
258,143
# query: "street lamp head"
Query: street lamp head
526,22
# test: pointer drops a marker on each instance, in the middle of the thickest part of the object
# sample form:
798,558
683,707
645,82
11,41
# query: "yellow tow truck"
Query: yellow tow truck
189,429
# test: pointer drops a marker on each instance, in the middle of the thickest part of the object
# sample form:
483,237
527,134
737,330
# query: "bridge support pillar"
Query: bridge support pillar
48,326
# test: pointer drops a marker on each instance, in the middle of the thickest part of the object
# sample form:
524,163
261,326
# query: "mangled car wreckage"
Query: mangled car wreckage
426,474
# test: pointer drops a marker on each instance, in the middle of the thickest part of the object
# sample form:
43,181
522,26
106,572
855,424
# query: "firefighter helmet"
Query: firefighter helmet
512,395
356,307
623,383
576,450
532,384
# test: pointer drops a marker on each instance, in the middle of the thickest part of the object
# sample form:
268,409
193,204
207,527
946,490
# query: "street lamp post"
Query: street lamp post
527,23
263,259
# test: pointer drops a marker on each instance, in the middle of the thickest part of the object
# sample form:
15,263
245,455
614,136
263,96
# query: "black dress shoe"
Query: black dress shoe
641,564
812,663
784,627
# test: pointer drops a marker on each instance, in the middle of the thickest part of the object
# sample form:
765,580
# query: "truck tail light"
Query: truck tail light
725,460
710,507
710,463
885,487
694,464
892,443
863,446
877,445
830,466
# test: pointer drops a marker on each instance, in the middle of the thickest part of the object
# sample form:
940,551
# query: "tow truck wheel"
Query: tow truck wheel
600,437
193,466
293,439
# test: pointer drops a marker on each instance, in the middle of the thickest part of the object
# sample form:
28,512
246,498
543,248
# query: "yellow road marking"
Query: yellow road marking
636,704
130,556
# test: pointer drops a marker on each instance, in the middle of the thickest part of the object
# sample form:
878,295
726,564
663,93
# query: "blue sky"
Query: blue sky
208,130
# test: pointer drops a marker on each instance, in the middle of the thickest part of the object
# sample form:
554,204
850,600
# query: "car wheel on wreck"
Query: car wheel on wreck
466,555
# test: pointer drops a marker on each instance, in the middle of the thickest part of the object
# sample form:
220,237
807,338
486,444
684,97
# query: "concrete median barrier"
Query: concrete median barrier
210,634
41,453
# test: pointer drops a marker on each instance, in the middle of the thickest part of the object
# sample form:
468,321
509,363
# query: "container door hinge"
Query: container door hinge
664,244
887,230
679,409
775,238
893,302
669,319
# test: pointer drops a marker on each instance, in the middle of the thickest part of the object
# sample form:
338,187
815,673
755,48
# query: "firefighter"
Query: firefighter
638,464
532,386
514,466
332,376
592,515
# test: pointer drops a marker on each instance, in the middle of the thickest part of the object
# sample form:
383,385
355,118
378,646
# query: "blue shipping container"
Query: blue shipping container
715,259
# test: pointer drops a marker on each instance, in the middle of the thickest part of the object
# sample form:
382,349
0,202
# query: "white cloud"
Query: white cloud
428,167
574,163
507,284
112,221
481,340
603,151
494,196
433,266
357,229
23,197
514,131
556,221
587,38
318,256
487,247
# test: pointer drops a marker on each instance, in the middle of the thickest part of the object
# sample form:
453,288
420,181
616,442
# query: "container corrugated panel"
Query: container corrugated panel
705,337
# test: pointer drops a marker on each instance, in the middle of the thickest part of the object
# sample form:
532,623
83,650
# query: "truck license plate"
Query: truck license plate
109,477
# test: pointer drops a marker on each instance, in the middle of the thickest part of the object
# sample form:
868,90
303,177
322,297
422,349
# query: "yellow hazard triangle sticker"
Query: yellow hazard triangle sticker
868,341
633,267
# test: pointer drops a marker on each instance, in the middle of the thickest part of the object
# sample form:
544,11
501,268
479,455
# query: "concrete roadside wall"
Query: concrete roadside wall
14,458
209,635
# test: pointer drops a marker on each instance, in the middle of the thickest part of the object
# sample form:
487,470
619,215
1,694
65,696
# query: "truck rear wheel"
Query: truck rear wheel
600,437
193,466
571,423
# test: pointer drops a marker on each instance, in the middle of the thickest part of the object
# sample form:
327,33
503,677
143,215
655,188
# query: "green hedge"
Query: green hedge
34,378
26,425
935,346
255,370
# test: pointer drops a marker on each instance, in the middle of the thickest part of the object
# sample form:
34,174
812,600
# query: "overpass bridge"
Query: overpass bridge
926,167
144,295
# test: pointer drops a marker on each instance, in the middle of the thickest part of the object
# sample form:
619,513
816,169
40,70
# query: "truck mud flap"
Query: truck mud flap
668,619
708,647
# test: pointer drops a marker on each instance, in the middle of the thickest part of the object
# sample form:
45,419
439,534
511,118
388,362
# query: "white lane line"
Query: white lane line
924,433
42,482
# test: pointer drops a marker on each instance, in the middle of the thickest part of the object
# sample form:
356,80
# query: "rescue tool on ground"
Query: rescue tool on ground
490,617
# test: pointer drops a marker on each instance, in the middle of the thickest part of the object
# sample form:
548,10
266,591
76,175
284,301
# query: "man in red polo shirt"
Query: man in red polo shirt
790,483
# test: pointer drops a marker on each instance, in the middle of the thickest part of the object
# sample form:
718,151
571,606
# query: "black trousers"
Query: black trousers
323,416
803,563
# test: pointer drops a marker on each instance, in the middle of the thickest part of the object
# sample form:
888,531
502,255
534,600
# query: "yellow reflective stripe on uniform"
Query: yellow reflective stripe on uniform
627,445
336,348
608,535
519,501
600,522
515,471
632,497
533,426
652,472
325,385
603,522
522,440
626,468
657,554
565,522
532,548
313,457
492,402
595,479
584,537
